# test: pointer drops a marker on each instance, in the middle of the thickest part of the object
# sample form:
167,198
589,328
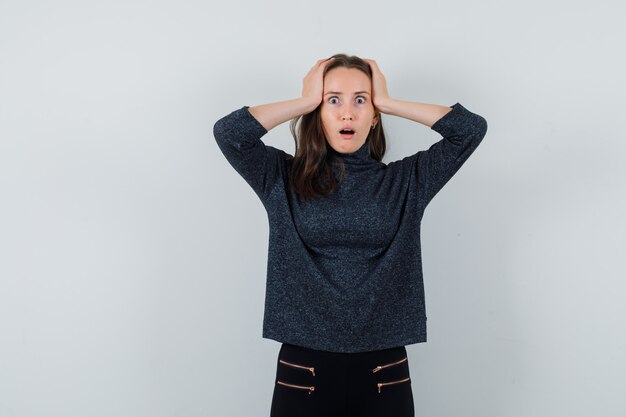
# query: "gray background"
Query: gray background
133,256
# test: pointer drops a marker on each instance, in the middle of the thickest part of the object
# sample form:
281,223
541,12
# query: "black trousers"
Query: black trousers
315,383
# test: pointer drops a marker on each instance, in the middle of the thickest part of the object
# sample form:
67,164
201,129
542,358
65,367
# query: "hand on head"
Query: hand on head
379,84
313,82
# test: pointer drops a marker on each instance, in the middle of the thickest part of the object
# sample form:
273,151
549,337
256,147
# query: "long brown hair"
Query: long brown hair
312,173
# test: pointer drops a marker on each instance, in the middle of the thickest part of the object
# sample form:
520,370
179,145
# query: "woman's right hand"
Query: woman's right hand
273,114
313,83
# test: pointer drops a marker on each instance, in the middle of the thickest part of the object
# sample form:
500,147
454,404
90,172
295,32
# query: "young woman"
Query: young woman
344,289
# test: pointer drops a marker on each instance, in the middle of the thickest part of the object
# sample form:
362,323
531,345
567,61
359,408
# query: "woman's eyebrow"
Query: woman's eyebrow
340,93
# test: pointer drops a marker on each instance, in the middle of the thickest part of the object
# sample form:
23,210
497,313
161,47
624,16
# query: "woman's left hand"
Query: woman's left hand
379,86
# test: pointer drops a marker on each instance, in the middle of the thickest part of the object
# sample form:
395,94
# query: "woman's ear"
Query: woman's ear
376,119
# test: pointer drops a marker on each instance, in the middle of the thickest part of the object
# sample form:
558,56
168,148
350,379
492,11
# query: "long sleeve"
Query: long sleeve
238,136
462,132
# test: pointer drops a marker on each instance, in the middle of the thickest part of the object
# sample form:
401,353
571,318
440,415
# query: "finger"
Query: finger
372,63
326,61
317,65
320,64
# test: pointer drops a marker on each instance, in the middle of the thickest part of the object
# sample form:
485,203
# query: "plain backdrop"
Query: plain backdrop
133,256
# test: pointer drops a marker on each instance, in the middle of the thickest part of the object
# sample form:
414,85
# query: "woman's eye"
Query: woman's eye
360,100
333,100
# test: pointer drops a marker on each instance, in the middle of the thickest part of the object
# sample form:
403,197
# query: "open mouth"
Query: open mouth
346,133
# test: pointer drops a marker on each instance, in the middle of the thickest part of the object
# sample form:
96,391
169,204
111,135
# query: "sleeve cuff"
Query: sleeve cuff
459,121
247,116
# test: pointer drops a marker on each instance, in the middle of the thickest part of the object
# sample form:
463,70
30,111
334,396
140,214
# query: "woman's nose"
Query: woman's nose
347,114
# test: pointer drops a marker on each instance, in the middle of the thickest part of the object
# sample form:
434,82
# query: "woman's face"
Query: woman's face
347,104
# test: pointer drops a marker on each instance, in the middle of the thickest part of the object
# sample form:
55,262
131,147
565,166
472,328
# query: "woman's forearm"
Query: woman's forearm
272,114
426,114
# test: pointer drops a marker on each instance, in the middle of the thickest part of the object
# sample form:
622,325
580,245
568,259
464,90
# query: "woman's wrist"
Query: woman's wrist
308,104
385,105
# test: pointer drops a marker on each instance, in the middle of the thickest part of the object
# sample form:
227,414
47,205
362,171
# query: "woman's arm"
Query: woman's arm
426,114
273,114
461,130
238,134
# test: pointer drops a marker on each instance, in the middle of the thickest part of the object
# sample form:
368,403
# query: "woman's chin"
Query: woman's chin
347,146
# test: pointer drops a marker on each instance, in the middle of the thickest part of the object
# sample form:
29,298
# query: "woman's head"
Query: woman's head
346,103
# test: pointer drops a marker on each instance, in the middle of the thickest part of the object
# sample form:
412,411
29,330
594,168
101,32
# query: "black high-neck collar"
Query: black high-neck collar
359,157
